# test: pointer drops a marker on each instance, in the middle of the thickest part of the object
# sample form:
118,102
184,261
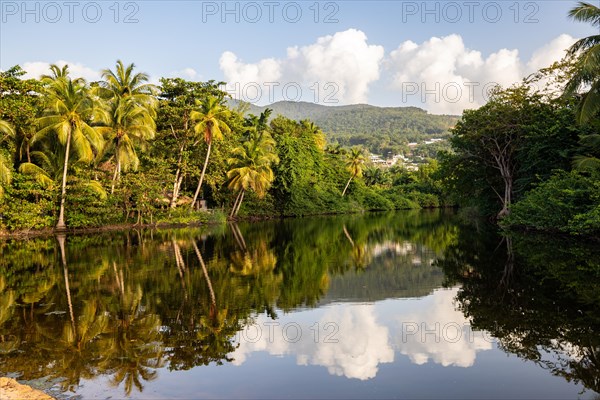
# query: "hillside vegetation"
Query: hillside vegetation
382,130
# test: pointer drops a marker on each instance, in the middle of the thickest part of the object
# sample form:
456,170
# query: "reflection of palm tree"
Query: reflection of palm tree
135,350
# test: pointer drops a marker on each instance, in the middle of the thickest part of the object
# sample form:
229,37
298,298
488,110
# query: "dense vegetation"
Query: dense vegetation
79,154
531,158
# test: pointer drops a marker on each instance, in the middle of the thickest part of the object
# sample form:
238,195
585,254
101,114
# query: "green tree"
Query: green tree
7,132
354,164
68,115
211,123
176,139
587,65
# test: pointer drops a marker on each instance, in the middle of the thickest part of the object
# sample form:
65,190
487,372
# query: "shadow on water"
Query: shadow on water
124,305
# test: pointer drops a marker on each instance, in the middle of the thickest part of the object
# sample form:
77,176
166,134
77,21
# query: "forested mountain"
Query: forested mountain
380,129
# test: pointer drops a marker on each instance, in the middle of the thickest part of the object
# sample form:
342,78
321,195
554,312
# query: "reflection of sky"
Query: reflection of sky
367,357
431,329
347,340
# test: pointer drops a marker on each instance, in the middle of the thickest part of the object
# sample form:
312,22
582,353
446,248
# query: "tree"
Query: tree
251,168
177,99
68,115
505,144
587,65
354,164
7,131
211,123
132,110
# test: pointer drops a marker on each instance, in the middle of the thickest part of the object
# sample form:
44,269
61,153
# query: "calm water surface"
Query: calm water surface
398,305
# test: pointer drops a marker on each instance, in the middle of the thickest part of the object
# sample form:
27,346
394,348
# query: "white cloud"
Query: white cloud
343,60
448,77
36,69
551,52
186,73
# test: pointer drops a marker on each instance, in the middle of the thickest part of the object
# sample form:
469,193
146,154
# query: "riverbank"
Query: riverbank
10,389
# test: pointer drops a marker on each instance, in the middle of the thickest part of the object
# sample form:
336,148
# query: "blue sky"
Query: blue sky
431,54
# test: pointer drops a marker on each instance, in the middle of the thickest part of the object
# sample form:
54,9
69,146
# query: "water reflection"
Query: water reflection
136,309
347,340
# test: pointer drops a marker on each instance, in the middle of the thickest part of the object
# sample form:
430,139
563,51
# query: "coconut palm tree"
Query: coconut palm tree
251,168
132,112
211,123
354,164
587,63
6,132
68,115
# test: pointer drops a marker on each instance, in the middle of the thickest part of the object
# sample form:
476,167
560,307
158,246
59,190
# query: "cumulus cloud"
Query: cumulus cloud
448,77
186,73
440,333
36,69
350,341
336,68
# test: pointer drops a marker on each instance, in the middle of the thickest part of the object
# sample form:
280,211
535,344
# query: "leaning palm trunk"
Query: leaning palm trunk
239,204
235,204
347,184
201,176
61,215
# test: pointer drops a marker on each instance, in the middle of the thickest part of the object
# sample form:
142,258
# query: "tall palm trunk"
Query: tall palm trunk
347,184
61,215
202,175
117,173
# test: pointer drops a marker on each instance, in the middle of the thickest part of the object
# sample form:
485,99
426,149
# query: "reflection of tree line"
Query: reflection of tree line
125,304
539,296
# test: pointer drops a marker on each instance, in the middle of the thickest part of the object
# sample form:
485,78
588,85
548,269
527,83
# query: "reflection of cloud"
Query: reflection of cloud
349,342
441,333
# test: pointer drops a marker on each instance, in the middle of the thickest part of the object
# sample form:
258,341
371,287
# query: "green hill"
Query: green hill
380,129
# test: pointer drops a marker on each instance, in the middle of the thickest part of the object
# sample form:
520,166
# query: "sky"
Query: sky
442,56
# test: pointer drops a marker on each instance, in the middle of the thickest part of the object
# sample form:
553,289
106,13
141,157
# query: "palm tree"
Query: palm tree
68,115
211,123
123,83
5,173
251,168
587,63
354,164
132,111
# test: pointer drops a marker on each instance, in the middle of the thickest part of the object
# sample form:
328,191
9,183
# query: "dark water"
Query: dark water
399,305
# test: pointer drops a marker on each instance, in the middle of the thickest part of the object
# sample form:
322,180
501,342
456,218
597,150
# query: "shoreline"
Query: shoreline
10,389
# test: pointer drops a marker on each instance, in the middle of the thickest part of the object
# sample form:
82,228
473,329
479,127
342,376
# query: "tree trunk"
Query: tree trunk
239,204
347,184
117,173
201,176
61,215
235,203
178,179
175,190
